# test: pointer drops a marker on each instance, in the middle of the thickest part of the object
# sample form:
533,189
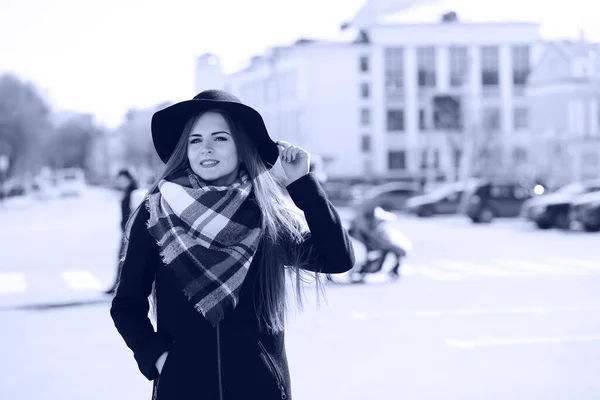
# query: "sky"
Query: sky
106,56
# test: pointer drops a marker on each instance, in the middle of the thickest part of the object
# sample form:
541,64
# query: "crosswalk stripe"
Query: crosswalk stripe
540,268
81,280
12,283
473,269
428,272
577,263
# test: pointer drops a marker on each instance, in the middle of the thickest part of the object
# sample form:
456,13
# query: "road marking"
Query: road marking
583,264
473,269
428,272
81,280
539,268
438,275
362,315
11,283
495,342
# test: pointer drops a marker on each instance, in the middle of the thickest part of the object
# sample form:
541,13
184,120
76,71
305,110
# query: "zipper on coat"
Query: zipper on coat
155,394
219,363
274,370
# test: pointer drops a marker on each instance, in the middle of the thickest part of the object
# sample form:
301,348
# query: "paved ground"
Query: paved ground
482,312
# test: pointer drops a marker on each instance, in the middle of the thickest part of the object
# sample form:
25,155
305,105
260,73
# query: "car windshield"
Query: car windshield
443,191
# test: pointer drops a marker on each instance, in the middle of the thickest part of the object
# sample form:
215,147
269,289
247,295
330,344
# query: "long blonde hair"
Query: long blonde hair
283,228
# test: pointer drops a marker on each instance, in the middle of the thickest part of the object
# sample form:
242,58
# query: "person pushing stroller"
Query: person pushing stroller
370,226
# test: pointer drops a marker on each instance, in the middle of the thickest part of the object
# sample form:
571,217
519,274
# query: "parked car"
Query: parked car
590,216
553,209
443,200
391,196
339,193
581,211
70,182
486,199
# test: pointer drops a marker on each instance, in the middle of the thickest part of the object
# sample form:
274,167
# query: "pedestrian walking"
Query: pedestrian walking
211,247
126,184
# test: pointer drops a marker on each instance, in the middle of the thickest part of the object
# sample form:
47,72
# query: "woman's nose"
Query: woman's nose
206,150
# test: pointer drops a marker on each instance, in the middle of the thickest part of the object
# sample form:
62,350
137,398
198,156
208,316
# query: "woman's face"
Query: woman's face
211,151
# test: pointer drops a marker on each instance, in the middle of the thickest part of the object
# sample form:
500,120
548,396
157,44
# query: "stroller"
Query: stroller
377,230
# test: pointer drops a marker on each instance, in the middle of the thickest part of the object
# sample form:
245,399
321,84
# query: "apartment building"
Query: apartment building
365,101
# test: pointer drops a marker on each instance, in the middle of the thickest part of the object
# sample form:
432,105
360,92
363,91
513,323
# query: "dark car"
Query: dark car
345,193
590,216
553,209
486,199
339,193
443,200
391,196
584,211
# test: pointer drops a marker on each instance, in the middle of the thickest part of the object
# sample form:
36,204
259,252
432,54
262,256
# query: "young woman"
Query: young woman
211,247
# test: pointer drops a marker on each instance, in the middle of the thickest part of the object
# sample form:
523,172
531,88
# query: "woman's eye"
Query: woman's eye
194,141
220,137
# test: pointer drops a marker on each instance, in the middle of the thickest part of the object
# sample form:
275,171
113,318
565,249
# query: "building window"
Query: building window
364,63
395,120
521,118
422,120
365,117
519,156
491,119
520,64
365,143
364,90
490,66
590,159
394,70
424,165
426,66
459,62
397,160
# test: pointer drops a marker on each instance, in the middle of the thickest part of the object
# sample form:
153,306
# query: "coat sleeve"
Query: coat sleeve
130,305
326,247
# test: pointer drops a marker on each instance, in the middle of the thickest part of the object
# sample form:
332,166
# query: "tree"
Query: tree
473,144
69,145
24,120
137,139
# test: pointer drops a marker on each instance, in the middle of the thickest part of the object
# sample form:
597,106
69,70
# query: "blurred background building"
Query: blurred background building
405,90
414,93
564,95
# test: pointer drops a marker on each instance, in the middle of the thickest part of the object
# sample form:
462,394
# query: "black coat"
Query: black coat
252,365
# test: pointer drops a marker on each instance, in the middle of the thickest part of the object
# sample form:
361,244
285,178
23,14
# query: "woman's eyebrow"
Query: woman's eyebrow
214,133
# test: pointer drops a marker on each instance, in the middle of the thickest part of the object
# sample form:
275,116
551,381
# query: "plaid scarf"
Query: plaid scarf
208,235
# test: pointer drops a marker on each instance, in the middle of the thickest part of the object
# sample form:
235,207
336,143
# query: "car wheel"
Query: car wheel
487,215
543,225
591,228
561,221
425,212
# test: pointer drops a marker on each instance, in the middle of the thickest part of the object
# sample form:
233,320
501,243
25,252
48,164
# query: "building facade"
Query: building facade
564,94
365,102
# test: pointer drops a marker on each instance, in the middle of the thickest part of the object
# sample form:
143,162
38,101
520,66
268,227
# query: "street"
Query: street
499,311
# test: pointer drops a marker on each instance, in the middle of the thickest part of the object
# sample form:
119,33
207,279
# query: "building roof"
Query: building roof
571,49
346,37
421,12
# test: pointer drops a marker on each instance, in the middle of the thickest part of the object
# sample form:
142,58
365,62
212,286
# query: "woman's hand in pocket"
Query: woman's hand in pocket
160,363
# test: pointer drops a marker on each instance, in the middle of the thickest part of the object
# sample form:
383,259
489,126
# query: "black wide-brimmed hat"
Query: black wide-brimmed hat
168,123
